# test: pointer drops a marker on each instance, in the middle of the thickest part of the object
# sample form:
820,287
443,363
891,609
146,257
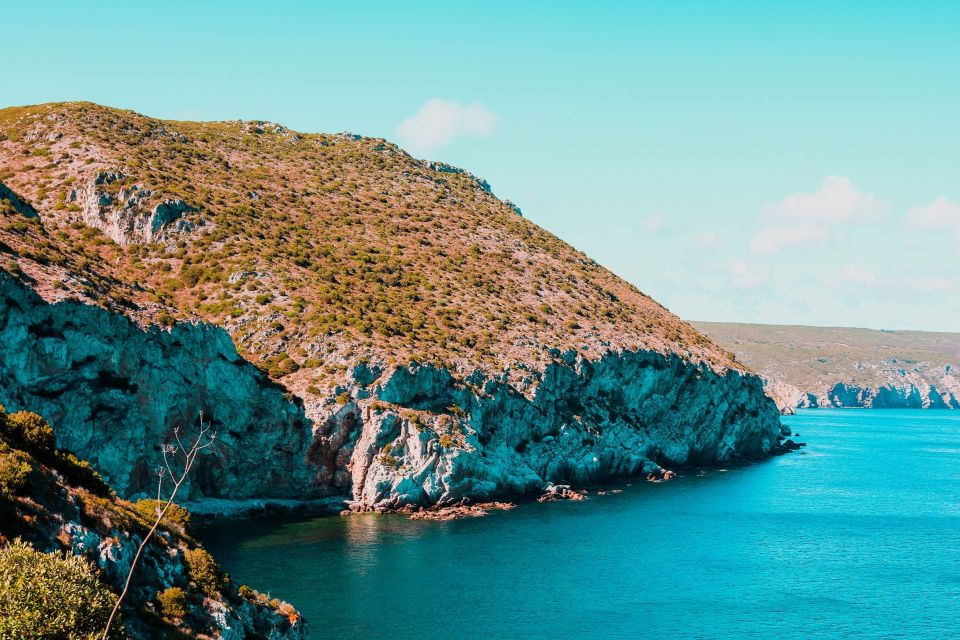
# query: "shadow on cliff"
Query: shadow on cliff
114,392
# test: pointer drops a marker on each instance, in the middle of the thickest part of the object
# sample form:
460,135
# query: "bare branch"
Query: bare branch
176,434
190,455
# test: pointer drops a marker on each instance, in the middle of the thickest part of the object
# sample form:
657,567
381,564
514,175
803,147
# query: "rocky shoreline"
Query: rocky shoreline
211,510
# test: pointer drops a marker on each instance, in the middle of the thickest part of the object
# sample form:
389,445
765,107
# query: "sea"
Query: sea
857,535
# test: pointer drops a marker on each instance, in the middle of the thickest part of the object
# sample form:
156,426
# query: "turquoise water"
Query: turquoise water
858,536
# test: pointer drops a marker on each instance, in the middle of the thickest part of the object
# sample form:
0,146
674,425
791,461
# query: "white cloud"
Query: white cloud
803,219
837,200
744,274
653,222
939,214
438,122
773,239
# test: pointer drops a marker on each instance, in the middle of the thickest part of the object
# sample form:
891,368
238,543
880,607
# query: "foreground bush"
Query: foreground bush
50,596
14,469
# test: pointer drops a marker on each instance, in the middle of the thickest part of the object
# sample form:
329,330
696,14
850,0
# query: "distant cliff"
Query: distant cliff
843,367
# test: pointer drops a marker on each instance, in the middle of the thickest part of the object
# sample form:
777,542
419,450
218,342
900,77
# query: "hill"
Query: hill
423,341
845,367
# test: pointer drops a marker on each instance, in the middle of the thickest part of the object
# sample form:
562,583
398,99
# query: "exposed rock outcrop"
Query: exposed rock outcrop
414,435
422,437
902,392
123,212
114,392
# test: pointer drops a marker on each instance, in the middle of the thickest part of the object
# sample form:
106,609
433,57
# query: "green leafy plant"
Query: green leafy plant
32,434
175,515
14,469
51,596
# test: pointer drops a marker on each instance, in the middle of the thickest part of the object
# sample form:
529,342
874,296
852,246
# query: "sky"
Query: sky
776,162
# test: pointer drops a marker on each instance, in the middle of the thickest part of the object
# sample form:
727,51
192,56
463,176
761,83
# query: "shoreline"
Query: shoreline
208,511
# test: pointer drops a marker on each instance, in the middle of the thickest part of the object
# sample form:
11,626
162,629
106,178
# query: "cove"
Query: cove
856,536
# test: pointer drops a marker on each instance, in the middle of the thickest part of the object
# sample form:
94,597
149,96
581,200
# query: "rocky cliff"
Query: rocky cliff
115,391
416,341
414,435
425,437
841,367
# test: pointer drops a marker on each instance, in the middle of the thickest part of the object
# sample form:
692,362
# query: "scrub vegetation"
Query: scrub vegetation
313,250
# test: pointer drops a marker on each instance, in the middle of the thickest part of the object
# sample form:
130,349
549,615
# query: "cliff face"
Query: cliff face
115,391
923,387
415,435
838,367
431,439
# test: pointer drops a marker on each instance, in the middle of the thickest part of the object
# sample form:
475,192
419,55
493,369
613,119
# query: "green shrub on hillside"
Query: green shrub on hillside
31,433
14,469
204,571
50,596
175,515
173,603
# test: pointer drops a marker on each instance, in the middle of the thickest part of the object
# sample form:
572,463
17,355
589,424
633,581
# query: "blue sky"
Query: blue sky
744,161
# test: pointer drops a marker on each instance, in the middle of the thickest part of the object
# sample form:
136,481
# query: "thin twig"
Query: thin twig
189,457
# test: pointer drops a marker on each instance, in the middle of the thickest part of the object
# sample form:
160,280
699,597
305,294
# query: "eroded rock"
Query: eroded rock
126,216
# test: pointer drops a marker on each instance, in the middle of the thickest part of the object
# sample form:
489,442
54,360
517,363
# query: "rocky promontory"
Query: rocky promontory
353,321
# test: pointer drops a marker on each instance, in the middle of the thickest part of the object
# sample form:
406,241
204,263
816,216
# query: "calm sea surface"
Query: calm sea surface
858,536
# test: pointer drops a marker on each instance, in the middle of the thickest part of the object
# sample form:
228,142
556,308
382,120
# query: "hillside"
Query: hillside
396,305
289,239
844,367
66,544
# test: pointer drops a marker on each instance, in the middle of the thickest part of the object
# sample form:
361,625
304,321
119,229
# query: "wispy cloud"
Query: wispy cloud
837,200
904,287
705,241
804,219
941,214
858,276
930,284
439,122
